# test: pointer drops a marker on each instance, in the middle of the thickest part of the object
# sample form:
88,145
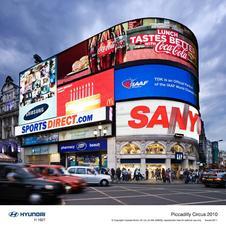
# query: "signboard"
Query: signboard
179,156
41,150
156,81
38,92
96,115
84,146
157,117
46,138
140,39
86,94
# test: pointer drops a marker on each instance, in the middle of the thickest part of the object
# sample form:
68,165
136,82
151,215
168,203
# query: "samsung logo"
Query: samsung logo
81,146
36,111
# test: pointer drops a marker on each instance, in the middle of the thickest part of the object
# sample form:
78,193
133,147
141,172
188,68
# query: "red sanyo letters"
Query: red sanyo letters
140,119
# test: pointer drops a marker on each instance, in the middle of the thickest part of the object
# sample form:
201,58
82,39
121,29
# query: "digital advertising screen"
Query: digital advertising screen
38,92
140,39
73,63
157,117
156,80
87,94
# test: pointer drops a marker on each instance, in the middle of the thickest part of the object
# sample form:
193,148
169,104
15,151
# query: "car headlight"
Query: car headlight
67,187
49,187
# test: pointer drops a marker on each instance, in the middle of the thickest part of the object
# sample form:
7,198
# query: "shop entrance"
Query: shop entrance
176,167
152,168
88,159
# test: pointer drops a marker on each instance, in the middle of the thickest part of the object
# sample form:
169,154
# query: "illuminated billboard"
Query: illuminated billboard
38,92
157,117
89,93
156,80
82,118
140,39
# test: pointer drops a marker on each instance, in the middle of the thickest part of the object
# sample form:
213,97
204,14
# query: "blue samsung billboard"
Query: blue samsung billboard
84,146
161,81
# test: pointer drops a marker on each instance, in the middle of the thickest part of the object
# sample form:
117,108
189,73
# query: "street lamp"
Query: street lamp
100,131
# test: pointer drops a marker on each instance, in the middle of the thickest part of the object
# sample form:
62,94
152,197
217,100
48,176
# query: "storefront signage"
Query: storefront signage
42,138
62,122
87,94
157,117
84,146
179,156
155,80
38,92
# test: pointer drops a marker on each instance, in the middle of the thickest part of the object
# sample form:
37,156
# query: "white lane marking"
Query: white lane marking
152,195
202,202
110,197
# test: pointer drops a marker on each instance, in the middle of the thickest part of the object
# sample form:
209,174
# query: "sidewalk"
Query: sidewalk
150,181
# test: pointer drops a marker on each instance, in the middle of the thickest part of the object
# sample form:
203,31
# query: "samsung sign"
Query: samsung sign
35,112
88,145
156,81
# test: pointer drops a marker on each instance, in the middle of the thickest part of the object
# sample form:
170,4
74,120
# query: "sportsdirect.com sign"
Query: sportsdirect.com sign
156,117
61,122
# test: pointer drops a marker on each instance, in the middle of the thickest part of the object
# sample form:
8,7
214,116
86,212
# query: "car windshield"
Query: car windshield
25,173
61,171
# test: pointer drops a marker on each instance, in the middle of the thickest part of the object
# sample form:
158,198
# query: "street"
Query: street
148,194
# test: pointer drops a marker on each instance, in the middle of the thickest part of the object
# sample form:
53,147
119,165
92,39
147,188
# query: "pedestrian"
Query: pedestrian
112,174
163,175
146,174
118,174
129,175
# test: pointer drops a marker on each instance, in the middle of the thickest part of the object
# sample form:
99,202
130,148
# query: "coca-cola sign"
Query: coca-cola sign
166,41
105,48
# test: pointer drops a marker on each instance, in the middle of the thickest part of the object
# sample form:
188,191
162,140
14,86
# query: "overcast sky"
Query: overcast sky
48,27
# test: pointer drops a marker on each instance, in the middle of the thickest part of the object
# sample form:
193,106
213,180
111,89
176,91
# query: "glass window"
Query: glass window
177,148
81,171
72,170
130,148
155,148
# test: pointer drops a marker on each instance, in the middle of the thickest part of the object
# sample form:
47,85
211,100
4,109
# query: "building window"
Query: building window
155,148
130,148
177,148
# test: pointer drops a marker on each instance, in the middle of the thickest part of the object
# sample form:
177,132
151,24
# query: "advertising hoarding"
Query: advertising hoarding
100,114
38,92
47,138
140,39
73,63
84,146
156,80
157,117
86,94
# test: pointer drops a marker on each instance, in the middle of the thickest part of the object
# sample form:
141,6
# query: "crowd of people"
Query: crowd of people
159,174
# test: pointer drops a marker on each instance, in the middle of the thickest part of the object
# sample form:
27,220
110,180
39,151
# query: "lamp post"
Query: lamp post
100,132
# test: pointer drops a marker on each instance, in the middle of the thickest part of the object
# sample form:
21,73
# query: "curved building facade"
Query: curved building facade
126,97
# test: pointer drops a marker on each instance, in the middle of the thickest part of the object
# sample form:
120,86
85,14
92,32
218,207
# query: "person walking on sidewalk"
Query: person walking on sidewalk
146,174
118,174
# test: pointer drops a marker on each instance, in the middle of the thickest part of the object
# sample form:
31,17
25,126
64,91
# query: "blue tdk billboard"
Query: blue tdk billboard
155,80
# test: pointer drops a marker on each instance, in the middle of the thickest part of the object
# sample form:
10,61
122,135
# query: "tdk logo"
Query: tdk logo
133,83
27,214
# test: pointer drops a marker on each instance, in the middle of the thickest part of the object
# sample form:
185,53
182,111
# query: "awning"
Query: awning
6,158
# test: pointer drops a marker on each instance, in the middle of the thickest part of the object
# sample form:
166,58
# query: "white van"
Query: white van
90,175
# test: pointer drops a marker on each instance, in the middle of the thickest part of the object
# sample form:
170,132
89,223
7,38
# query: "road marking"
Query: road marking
111,197
148,194
202,202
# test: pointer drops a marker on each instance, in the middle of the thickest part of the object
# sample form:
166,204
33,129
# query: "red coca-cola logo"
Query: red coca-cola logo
105,48
175,50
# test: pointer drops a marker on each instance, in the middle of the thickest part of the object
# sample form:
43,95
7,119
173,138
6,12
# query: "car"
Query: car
58,173
216,180
19,184
90,175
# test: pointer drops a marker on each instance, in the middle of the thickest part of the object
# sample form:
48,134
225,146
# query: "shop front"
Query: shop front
45,154
84,153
